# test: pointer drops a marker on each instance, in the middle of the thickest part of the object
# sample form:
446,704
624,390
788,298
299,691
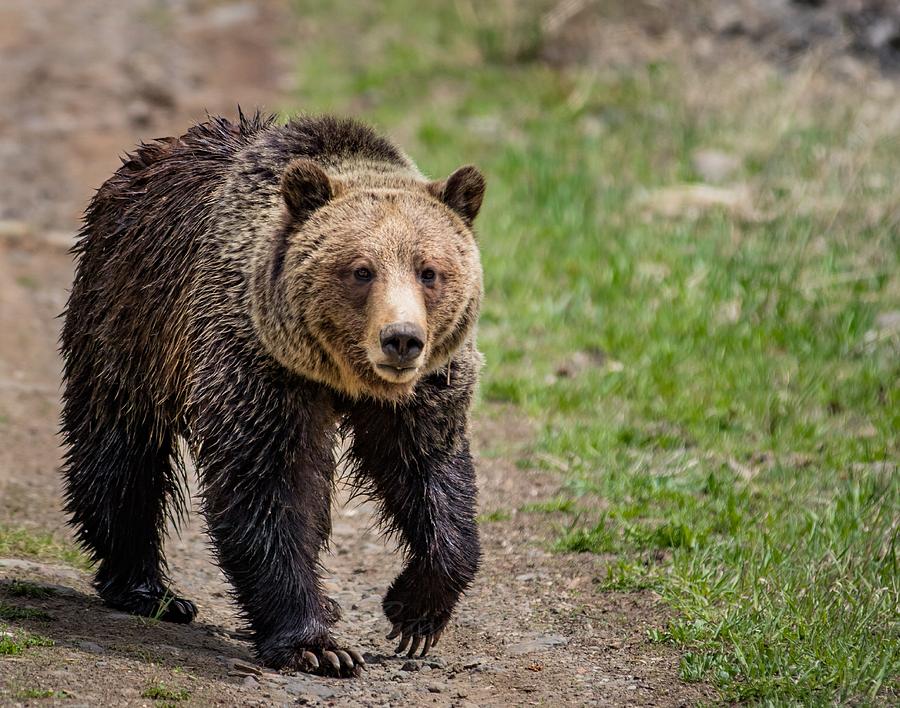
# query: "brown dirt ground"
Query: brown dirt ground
83,81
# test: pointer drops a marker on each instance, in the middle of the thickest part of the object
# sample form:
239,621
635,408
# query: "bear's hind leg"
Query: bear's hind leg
118,476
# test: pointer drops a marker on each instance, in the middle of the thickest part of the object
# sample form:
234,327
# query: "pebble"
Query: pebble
437,687
715,166
305,686
888,321
410,666
14,229
243,668
537,644
92,647
474,662
250,682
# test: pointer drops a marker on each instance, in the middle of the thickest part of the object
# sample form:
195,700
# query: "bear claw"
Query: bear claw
333,662
414,641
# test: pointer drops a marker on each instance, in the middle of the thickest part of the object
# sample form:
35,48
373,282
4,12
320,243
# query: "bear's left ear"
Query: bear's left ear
305,187
462,191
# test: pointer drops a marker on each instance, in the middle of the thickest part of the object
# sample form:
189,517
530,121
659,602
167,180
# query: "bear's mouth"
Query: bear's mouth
396,373
399,370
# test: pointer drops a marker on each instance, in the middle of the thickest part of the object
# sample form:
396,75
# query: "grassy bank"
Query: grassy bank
713,371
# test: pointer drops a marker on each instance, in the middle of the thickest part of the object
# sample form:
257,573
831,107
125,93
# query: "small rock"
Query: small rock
437,687
92,647
692,200
883,33
579,362
410,666
305,686
250,682
486,126
436,662
243,668
139,113
226,16
540,643
321,690
14,229
888,321
120,616
714,165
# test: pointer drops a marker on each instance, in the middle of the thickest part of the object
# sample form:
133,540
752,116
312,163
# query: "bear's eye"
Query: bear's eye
363,275
428,276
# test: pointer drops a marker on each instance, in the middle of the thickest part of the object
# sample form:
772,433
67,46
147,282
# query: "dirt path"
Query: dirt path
82,82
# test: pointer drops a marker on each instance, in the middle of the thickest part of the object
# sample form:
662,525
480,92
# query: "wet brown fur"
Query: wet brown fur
215,300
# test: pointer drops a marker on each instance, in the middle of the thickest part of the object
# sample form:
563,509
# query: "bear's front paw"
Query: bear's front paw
343,663
418,615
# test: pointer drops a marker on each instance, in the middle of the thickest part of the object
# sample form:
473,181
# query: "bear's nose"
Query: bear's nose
402,342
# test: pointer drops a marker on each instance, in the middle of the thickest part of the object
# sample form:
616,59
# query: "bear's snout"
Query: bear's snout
402,343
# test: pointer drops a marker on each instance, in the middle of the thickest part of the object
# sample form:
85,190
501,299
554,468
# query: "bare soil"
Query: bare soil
82,82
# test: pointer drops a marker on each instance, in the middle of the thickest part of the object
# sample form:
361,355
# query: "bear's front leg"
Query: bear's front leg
265,455
415,458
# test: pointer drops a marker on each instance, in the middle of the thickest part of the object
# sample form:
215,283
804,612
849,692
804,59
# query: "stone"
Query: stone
243,668
307,687
540,643
888,322
715,166
92,647
692,200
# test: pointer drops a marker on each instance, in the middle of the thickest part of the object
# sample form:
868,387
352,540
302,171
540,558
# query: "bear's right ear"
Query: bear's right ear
305,188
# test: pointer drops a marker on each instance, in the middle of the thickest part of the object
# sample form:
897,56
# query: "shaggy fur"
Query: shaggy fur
233,288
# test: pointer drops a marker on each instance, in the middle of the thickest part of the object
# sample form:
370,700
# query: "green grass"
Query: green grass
11,612
736,404
492,516
161,692
31,693
40,545
21,588
558,505
15,642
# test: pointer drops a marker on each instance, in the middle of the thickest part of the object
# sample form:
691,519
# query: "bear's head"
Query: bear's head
370,284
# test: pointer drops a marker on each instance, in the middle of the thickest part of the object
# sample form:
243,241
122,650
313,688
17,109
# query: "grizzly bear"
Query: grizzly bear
261,291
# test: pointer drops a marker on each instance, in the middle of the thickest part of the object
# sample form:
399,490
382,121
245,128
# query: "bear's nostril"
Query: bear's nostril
402,342
413,347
